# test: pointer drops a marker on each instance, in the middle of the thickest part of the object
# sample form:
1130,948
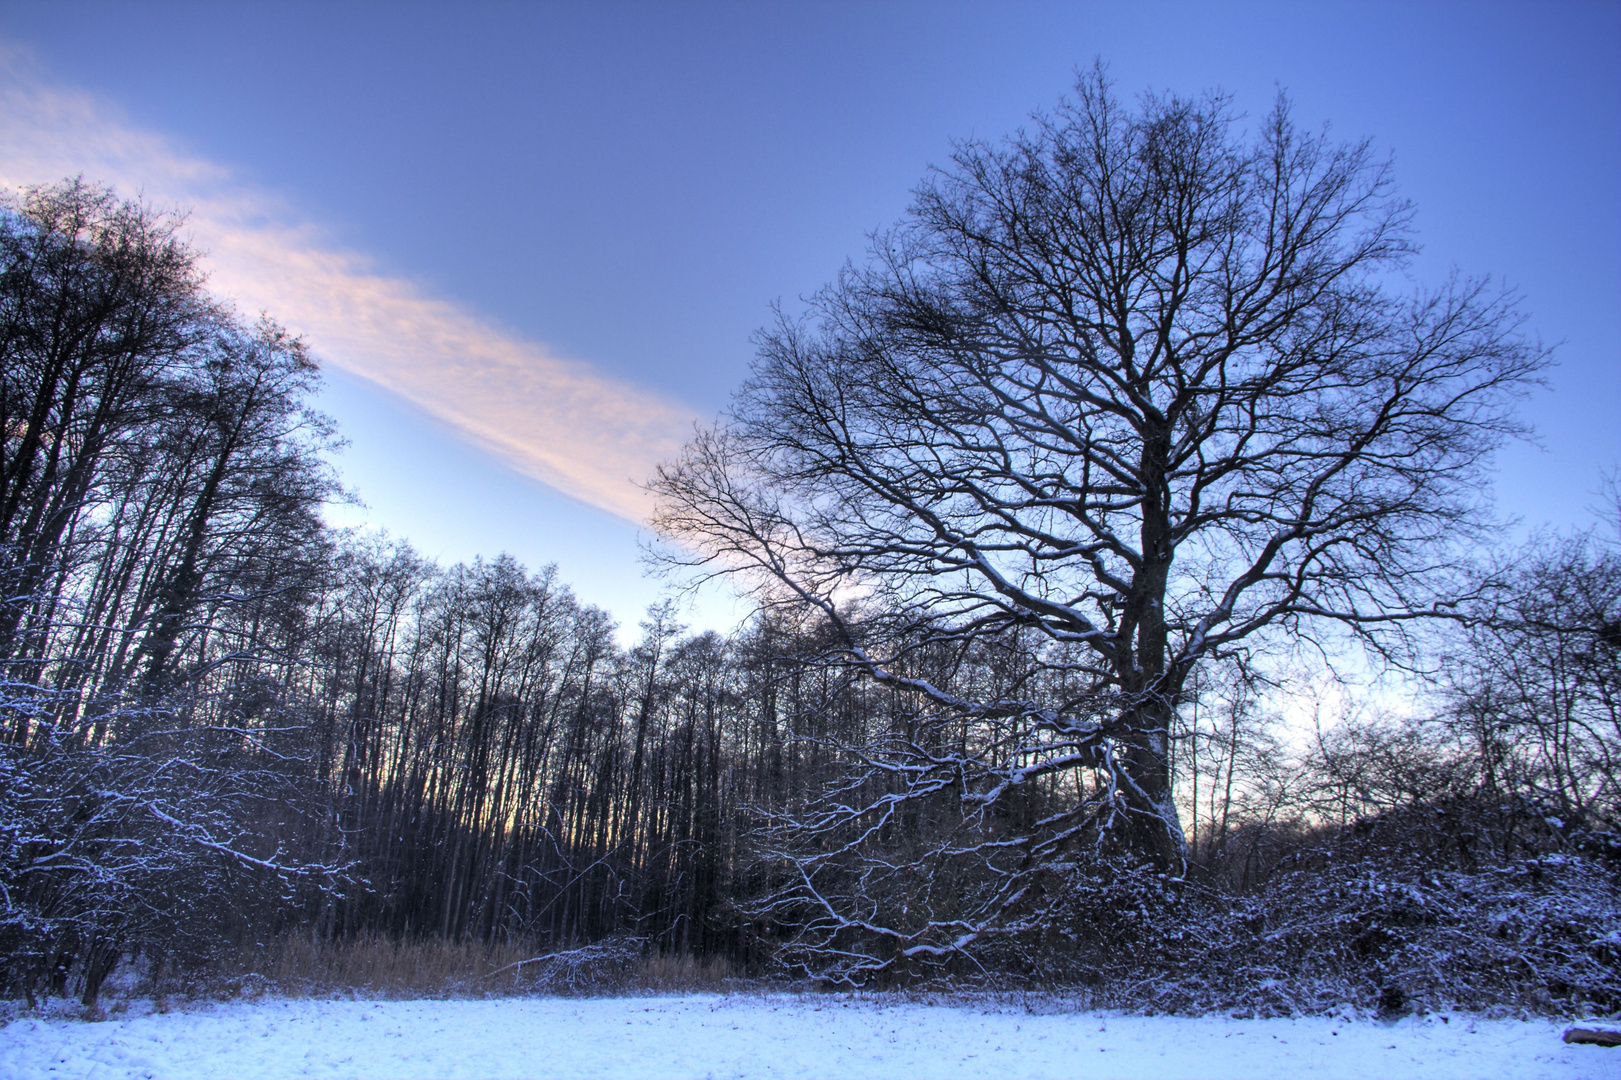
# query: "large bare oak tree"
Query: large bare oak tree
1143,381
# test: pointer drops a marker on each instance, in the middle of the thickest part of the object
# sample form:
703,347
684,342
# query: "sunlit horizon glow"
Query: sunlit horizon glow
552,419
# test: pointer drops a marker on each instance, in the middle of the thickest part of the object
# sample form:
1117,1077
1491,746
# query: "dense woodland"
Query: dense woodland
224,721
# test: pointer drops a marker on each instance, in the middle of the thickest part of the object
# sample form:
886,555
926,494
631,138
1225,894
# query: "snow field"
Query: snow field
770,1037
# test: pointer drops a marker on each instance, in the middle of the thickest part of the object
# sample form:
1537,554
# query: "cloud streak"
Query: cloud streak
553,419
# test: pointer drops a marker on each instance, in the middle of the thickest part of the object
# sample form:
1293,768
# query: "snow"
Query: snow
770,1036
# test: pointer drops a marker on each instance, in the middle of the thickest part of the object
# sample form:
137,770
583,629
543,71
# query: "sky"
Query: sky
530,242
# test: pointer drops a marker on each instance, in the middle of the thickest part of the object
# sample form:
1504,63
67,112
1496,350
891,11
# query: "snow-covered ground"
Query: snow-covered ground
747,1036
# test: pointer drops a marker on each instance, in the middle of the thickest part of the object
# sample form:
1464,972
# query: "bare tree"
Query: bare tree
1133,381
99,300
1535,680
160,486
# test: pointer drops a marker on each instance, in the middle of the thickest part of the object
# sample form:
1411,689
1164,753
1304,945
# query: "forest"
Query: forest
1127,621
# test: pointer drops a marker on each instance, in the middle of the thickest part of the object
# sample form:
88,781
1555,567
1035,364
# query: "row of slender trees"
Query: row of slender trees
221,719
500,769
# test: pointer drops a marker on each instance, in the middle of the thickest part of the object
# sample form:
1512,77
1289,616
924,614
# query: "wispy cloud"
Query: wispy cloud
553,419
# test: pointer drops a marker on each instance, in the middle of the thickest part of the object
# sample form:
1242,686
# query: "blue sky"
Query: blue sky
533,240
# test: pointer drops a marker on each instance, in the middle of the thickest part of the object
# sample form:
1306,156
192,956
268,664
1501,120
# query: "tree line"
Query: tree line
1043,509
222,719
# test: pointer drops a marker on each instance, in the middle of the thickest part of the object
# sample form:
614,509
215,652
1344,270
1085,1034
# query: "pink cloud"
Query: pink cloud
553,419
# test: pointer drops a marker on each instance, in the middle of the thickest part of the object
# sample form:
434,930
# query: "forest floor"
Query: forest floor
770,1036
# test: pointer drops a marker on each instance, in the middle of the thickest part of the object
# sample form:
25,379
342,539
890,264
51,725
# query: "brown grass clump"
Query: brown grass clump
371,966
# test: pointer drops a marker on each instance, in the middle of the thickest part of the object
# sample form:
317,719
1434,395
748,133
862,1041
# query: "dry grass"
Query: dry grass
301,964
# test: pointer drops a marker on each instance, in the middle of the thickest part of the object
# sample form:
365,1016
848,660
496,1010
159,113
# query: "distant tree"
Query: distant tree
1133,382
1535,680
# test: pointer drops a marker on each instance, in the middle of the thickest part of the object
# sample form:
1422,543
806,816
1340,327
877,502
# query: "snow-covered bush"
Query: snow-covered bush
159,845
1464,905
